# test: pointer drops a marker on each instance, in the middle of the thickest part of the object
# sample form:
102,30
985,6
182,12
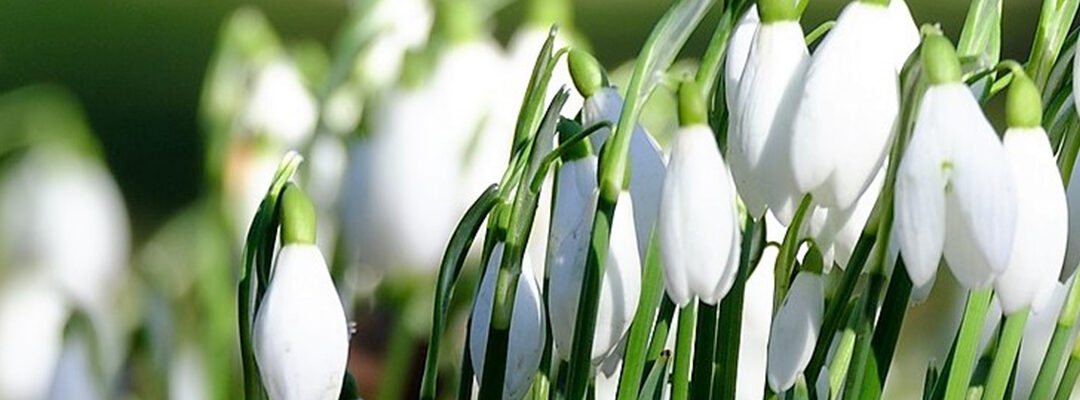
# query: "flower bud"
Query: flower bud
940,60
795,330
1023,106
698,229
586,72
527,331
300,334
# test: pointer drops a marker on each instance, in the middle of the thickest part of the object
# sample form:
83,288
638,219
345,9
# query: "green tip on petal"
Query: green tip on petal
940,60
883,3
586,72
777,11
692,109
1023,106
297,216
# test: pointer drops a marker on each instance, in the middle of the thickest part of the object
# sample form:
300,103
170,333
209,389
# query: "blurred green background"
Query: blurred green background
137,67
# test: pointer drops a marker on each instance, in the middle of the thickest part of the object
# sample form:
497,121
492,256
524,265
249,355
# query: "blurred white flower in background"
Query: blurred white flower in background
280,106
32,318
397,26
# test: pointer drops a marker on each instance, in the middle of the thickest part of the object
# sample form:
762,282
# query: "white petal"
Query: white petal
980,199
795,330
920,192
280,106
845,120
737,52
904,34
571,225
300,334
622,281
1041,222
697,227
527,332
760,131
32,319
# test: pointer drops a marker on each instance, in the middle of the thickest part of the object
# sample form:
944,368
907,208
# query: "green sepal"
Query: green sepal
940,60
772,11
586,72
1023,105
692,109
298,217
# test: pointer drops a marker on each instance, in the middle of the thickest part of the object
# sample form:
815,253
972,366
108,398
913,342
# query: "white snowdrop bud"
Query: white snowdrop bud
280,106
571,226
795,330
954,190
698,228
647,162
1041,217
845,118
759,135
300,334
527,331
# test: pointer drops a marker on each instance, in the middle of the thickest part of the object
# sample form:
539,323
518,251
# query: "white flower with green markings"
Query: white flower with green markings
954,192
698,226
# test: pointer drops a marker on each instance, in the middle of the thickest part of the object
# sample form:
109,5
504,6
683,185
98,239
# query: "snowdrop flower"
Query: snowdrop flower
760,132
571,226
300,334
738,51
954,190
795,330
647,164
955,194
1041,216
32,318
845,118
399,26
280,106
698,228
62,213
527,331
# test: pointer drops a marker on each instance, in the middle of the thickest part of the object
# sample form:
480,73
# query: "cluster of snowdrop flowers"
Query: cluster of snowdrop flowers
869,152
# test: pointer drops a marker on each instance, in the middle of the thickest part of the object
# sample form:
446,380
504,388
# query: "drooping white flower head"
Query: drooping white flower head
1041,218
300,334
848,108
280,106
527,331
954,191
61,213
647,162
698,225
738,51
759,134
836,231
571,226
32,318
398,26
795,330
